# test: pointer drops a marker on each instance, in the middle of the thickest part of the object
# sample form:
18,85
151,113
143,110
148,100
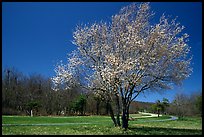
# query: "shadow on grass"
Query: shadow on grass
164,131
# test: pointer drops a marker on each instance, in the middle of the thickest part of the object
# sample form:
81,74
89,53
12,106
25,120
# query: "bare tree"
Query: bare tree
128,56
186,105
12,89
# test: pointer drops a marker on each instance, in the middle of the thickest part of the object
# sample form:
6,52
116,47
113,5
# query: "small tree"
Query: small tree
127,57
180,104
32,107
160,106
79,104
165,103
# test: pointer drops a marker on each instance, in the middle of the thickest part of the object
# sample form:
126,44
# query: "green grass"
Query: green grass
186,126
44,119
100,125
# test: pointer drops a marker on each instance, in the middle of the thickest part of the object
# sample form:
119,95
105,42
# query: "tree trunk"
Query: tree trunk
111,113
118,111
125,115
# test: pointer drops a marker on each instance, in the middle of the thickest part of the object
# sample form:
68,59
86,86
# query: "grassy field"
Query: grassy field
98,125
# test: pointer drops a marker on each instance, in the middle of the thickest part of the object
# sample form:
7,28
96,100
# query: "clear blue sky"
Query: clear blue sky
35,36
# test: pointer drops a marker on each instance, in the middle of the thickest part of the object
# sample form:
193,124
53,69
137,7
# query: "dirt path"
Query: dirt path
156,115
151,114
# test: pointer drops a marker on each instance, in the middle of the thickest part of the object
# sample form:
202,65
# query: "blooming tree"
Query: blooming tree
128,56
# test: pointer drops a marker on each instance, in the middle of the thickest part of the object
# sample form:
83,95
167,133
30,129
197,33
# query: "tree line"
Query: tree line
21,94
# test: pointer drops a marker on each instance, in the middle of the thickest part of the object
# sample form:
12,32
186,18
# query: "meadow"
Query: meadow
99,125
